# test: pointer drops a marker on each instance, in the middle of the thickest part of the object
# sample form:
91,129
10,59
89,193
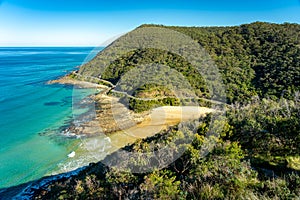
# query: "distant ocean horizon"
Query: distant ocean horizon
32,112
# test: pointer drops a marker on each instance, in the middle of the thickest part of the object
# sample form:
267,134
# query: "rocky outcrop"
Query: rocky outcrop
109,116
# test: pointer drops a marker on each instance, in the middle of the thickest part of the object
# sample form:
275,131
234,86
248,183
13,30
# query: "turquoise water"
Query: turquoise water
31,112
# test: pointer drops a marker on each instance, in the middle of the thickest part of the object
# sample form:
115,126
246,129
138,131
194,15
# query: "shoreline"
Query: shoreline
112,116
114,142
66,80
95,147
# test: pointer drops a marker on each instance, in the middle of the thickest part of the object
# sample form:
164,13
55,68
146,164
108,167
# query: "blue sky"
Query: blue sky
92,22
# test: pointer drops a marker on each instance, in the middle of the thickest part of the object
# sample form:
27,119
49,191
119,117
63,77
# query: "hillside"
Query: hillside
255,157
253,59
256,152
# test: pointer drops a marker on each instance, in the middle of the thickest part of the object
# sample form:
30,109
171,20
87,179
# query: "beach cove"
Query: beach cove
115,126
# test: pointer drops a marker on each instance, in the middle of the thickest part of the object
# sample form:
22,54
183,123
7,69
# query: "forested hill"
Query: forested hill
254,59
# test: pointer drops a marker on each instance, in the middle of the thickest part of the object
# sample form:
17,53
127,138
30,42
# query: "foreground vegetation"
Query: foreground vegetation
255,157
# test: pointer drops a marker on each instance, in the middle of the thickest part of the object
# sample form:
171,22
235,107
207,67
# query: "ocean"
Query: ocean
33,112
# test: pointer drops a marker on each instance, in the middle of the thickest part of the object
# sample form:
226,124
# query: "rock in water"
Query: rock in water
72,154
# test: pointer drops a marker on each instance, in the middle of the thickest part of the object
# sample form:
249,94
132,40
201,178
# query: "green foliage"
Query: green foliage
72,75
258,58
122,65
225,173
269,130
153,91
160,185
138,105
281,188
254,59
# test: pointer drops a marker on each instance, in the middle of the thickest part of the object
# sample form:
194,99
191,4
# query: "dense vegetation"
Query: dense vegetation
257,153
254,59
255,157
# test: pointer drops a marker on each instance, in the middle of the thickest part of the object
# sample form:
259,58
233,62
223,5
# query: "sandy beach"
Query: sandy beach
96,147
